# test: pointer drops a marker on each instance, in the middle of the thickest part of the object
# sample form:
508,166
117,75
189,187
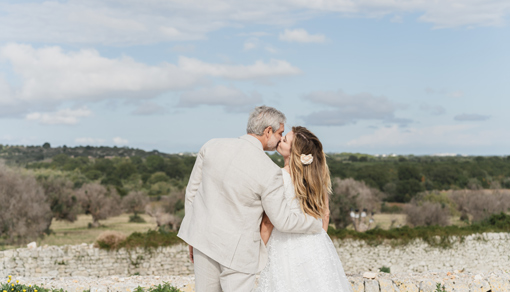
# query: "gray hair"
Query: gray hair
262,117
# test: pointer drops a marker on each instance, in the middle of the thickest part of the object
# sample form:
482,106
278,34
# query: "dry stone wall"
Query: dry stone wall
86,260
476,254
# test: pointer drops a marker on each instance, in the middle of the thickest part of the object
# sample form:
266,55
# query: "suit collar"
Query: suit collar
253,141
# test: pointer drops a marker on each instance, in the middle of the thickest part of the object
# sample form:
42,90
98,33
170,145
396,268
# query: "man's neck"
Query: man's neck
260,138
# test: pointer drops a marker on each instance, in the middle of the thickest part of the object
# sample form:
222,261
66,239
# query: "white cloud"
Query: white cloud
347,109
120,141
62,117
149,108
260,69
231,98
89,141
471,117
51,76
455,135
113,22
301,36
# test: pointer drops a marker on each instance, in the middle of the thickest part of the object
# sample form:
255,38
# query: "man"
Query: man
232,183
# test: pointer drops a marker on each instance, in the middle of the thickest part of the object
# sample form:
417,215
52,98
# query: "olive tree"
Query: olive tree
351,194
135,203
24,211
99,201
60,195
169,211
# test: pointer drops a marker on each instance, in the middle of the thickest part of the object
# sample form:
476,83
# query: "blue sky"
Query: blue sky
405,77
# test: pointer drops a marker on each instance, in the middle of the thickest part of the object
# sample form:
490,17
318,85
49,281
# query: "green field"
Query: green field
78,232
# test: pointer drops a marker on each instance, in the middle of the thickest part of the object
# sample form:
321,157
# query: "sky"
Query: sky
372,76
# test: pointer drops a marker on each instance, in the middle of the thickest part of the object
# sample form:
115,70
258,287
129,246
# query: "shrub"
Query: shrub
135,202
391,209
165,287
99,201
500,221
348,194
109,239
424,213
24,211
150,239
60,195
384,269
169,211
479,204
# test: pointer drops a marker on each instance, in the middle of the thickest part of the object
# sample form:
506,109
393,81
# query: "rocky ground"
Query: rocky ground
369,282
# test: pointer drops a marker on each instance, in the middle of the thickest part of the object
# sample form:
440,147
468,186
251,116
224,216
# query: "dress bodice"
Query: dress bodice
290,194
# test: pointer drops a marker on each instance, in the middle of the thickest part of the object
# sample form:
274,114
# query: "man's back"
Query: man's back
224,208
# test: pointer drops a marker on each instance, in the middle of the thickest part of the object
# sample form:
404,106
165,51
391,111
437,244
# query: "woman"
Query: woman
303,262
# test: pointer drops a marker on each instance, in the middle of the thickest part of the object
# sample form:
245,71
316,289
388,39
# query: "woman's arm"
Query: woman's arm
325,220
266,227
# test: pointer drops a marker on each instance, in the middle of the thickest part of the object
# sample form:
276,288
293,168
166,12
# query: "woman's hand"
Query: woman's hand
266,227
191,254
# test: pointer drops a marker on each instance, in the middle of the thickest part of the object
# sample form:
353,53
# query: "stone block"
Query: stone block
455,285
357,285
479,286
428,286
371,286
499,284
406,285
387,285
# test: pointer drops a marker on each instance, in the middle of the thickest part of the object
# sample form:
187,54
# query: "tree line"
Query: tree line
399,177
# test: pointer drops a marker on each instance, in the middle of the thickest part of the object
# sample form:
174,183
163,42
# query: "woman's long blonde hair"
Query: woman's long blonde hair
312,182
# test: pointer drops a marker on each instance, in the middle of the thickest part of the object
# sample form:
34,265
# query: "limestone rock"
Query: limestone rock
371,286
369,275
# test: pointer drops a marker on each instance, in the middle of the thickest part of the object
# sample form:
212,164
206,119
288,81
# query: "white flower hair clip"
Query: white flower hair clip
306,159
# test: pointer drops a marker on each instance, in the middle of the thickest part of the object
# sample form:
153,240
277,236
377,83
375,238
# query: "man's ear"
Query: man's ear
268,131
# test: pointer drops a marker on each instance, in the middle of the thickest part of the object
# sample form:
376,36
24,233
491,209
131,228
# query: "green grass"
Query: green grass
433,235
165,287
11,285
78,232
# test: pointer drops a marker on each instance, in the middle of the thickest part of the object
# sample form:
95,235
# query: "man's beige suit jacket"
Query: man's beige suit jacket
232,183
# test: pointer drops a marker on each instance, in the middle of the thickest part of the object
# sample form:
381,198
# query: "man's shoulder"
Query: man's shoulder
220,142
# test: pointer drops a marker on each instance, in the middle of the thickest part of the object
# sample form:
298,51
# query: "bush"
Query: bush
479,204
165,287
391,209
136,219
149,239
351,194
425,213
135,202
109,239
99,201
500,221
384,269
24,211
60,195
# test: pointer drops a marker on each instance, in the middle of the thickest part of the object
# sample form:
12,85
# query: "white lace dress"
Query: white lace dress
301,262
